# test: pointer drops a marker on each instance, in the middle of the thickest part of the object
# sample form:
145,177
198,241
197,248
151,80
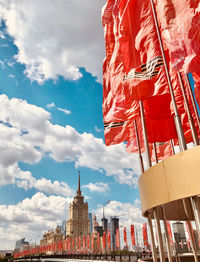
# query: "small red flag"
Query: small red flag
125,237
133,235
145,236
117,238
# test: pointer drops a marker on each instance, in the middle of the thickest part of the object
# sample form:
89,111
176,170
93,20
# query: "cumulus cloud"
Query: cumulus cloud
56,41
97,187
128,214
27,135
31,217
36,215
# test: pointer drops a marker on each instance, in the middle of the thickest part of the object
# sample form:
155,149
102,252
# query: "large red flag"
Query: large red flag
179,24
125,237
133,235
145,236
117,238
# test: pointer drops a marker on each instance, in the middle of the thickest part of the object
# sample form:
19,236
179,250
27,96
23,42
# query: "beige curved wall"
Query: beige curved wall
170,180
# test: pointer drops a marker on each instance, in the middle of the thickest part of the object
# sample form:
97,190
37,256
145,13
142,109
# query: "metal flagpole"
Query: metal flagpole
149,164
196,212
152,239
193,246
139,148
169,251
172,146
190,118
155,152
159,235
193,100
178,124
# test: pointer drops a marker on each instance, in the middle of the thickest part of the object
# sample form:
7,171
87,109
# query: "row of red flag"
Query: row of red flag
134,71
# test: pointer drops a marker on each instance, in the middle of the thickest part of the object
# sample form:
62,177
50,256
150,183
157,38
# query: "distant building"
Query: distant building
21,242
63,227
94,224
78,223
52,236
180,237
104,224
90,218
114,224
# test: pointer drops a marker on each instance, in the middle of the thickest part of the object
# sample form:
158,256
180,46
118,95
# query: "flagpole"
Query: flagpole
158,231
190,118
172,146
139,148
193,100
193,246
179,128
155,152
169,251
146,143
152,239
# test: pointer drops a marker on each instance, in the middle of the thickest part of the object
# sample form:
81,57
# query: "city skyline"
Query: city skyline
51,120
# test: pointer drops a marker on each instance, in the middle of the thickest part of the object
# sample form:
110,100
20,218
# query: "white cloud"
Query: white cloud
128,214
67,112
31,217
11,76
57,37
51,105
97,187
36,215
27,135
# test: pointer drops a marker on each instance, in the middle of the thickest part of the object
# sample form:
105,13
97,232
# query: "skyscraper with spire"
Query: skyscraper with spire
78,223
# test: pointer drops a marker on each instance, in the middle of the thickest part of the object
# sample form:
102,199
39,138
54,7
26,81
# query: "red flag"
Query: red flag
133,235
145,236
180,32
73,243
169,232
108,239
79,245
88,241
117,238
92,241
104,239
84,242
98,241
125,237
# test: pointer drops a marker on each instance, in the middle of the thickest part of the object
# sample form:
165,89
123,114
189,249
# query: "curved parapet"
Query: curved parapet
170,181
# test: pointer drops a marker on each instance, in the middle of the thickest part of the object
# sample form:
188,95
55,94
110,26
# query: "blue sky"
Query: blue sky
51,120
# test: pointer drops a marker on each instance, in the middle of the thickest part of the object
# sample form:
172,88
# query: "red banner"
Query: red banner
125,237
108,239
117,238
133,235
145,236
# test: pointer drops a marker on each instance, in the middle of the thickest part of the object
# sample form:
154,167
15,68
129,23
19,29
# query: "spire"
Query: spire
78,192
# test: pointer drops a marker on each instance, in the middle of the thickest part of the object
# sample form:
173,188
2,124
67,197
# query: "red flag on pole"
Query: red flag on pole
145,236
133,235
108,239
125,237
169,232
88,241
92,241
117,238
98,241
84,242
104,239
180,32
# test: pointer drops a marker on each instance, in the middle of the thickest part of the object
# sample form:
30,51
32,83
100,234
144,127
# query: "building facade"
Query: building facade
78,223
52,236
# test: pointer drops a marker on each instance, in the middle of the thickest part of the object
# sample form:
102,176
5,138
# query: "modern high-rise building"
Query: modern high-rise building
78,223
104,224
114,224
21,242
